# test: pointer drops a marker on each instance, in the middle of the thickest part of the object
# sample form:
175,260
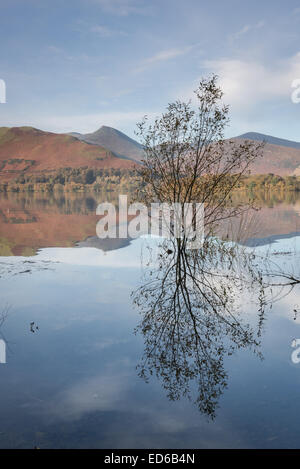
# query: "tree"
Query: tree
187,159
190,319
90,177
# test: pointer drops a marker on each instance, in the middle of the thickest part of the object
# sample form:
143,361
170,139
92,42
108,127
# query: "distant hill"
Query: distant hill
29,150
281,157
115,141
269,139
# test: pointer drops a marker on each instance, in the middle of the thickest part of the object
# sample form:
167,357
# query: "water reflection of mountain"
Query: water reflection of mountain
253,242
104,244
32,221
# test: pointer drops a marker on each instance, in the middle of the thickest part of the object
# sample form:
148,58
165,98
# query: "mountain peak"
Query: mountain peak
105,129
115,141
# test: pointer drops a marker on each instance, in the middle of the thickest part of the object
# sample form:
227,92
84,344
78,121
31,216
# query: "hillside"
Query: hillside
26,150
281,158
115,141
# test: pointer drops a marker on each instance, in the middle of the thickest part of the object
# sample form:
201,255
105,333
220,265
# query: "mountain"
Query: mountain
26,150
280,157
29,150
269,139
115,141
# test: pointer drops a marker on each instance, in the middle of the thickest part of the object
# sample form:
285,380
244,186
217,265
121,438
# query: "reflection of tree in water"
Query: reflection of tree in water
191,317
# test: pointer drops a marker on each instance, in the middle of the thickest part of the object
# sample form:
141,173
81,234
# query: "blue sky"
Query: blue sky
76,65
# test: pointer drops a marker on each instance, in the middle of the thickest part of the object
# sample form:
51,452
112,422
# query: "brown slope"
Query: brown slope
276,159
31,150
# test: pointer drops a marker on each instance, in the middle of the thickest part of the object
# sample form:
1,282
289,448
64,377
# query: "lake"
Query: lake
72,377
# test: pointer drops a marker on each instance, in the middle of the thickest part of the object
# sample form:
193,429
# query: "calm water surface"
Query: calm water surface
71,377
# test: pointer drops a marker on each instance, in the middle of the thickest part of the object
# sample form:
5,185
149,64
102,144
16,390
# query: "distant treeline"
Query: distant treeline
269,182
73,179
85,179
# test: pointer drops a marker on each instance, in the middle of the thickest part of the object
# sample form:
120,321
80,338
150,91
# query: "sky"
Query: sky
79,64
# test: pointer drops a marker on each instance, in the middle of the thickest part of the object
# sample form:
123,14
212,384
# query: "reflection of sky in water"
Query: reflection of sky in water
73,383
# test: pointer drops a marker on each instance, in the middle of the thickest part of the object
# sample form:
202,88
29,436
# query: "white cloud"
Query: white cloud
98,393
254,89
247,83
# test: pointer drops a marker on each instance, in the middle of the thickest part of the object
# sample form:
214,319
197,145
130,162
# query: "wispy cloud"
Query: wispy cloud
101,30
124,7
55,49
104,31
246,29
162,56
83,123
